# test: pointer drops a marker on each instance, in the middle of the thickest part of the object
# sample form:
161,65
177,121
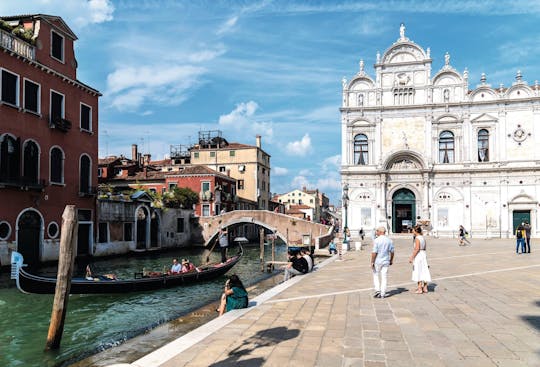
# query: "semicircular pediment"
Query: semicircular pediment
405,160
447,77
403,52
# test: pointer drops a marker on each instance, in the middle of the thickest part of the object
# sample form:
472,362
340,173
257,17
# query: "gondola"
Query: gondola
36,284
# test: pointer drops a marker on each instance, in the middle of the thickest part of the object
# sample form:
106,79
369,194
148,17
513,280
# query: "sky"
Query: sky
169,69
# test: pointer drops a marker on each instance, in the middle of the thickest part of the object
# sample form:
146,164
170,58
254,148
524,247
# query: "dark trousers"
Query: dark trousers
528,244
224,254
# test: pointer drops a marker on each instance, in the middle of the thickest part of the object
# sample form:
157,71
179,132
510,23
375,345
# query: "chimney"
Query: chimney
134,154
146,160
228,172
258,139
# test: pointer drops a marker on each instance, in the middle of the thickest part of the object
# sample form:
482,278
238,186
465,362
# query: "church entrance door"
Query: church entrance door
403,211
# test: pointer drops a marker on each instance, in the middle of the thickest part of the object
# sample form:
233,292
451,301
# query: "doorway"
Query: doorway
403,211
520,216
143,226
29,236
83,239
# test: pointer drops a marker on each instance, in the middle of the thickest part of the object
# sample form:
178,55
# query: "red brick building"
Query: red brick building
48,138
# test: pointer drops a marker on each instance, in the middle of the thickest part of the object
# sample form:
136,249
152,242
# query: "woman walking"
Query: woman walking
418,258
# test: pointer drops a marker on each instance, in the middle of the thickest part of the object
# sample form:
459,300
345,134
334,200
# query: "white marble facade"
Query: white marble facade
426,148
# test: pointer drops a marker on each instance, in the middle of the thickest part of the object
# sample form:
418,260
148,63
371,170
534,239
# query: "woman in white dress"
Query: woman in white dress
418,258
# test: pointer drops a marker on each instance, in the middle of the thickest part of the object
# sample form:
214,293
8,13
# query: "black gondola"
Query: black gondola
30,283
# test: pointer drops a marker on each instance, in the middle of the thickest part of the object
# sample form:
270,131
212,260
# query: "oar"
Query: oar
212,249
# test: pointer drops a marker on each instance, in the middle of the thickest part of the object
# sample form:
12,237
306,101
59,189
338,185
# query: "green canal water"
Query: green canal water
97,322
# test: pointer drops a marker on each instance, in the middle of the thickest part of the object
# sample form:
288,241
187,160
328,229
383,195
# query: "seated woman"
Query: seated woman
234,295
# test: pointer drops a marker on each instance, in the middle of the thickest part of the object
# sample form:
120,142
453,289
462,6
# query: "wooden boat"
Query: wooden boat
36,284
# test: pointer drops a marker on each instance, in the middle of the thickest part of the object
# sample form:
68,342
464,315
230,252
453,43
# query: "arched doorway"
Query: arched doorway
403,211
154,230
29,236
143,227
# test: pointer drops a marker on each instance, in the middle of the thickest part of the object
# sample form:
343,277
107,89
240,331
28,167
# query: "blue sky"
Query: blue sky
168,69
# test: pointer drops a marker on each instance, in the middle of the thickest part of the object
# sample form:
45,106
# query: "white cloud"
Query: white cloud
299,182
242,122
76,13
279,171
131,86
227,26
300,147
304,172
331,163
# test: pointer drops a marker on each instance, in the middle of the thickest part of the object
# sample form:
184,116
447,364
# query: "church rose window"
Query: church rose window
360,149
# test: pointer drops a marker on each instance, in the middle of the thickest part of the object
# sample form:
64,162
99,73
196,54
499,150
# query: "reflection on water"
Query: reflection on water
97,322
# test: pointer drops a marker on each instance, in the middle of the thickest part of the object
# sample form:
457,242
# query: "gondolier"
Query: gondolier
223,244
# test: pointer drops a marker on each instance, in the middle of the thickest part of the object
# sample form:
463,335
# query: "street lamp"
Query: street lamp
345,200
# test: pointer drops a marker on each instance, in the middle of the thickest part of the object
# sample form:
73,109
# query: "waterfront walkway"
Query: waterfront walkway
483,309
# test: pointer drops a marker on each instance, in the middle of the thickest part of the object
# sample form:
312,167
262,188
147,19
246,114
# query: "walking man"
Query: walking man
382,257
223,244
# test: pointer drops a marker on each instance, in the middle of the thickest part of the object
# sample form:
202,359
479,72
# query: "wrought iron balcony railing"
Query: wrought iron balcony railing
88,191
22,183
59,123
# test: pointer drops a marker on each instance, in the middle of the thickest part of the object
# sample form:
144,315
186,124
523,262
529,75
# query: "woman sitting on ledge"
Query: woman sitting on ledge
234,295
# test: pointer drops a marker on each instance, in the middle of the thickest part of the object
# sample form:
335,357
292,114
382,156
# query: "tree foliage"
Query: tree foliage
180,197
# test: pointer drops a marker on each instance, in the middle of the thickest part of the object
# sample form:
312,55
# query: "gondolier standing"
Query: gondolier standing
223,244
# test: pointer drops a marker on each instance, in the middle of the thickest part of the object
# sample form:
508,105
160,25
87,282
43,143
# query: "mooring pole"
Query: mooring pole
66,258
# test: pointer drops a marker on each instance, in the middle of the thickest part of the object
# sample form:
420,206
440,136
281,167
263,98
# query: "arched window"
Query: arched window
483,145
57,166
31,162
446,147
361,149
10,159
84,174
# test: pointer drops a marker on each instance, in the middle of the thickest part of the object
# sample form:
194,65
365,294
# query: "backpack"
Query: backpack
519,234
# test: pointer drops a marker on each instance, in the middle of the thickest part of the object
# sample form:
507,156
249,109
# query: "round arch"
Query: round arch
142,227
405,155
30,227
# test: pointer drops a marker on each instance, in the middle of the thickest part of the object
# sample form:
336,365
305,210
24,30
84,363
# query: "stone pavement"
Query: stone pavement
483,309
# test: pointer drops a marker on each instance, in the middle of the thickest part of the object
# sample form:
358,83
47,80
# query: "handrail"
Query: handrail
17,45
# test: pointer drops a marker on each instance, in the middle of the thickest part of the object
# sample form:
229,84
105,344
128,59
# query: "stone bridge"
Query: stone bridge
290,230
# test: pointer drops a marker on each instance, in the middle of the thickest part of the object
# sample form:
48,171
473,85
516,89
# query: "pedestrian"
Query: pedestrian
527,228
297,265
361,233
463,236
382,257
332,249
234,295
520,238
223,244
418,258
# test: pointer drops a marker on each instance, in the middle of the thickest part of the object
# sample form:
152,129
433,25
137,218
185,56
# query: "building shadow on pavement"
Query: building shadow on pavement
263,338
533,320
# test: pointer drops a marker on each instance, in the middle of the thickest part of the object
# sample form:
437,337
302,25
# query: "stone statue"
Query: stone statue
344,82
402,31
361,65
428,52
446,59
378,57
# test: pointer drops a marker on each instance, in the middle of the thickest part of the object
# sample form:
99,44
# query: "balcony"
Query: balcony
87,192
59,123
16,45
22,183
206,195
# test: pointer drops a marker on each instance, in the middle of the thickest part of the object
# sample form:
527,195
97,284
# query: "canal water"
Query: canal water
98,322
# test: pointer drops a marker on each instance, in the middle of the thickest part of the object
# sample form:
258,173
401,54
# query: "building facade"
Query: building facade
304,197
48,138
249,165
423,147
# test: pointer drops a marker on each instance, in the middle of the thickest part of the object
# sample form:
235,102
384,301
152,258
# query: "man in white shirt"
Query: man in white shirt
382,257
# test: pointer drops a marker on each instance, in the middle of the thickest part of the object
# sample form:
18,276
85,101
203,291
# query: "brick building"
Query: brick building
48,138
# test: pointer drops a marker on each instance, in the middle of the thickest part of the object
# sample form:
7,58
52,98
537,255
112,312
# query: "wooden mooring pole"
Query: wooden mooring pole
66,259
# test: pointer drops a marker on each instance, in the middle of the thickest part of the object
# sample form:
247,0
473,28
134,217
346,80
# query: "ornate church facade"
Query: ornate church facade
429,149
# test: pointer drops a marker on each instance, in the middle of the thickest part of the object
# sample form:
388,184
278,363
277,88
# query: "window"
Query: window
152,190
84,215
446,95
232,153
180,225
483,145
9,158
10,88
57,46
103,232
53,230
128,231
31,96
57,166
206,210
196,155
240,184
205,186
100,172
57,106
446,147
403,96
361,149
5,230
172,185
31,162
84,174
221,168
86,117
360,100
212,154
